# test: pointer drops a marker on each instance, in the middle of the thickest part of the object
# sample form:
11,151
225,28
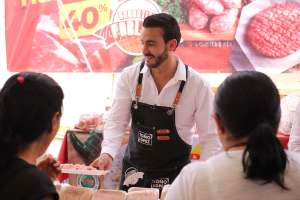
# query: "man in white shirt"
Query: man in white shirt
150,93
294,142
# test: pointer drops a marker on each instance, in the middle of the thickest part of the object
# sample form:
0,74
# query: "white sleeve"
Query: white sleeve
294,142
206,125
119,117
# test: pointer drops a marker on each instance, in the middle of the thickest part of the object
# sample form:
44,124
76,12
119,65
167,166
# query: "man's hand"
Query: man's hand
104,162
50,165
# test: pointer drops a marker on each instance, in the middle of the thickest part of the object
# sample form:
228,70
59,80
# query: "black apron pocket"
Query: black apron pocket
146,137
132,176
159,178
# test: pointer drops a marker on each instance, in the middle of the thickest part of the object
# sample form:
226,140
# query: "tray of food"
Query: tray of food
81,169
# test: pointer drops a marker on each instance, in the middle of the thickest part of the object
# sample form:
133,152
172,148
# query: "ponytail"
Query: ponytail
264,157
252,97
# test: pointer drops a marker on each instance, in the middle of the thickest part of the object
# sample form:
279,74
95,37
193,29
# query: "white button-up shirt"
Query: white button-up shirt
294,142
195,107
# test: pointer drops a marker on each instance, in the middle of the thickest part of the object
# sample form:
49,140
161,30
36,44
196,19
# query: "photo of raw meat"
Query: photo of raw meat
224,21
210,7
275,31
268,37
50,53
231,3
195,18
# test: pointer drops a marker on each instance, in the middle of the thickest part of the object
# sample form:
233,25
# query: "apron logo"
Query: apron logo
132,176
145,138
159,183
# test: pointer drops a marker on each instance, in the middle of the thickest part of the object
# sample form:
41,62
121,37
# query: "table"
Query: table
63,152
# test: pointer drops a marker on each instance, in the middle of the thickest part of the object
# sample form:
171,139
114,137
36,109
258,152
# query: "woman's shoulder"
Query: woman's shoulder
26,179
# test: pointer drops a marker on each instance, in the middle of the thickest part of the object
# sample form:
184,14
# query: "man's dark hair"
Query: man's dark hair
167,23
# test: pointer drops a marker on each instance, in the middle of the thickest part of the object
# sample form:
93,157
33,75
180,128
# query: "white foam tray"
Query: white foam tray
87,172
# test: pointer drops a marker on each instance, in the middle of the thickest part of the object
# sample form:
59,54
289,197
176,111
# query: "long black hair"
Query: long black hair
249,105
167,23
26,111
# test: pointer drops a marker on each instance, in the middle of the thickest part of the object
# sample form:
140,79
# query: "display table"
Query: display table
63,153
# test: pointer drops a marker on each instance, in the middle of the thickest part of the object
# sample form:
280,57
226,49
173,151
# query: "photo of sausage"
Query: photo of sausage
197,18
224,21
210,7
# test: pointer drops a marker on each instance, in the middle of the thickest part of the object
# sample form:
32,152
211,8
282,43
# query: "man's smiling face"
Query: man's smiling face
153,46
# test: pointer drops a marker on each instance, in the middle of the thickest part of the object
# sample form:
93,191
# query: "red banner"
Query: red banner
39,37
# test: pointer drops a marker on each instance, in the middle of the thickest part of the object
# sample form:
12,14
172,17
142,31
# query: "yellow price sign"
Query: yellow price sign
85,16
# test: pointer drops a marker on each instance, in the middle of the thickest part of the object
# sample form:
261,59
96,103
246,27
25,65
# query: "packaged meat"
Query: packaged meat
143,195
210,7
134,189
288,108
66,166
89,122
275,31
231,4
164,192
224,21
76,193
81,169
103,194
57,187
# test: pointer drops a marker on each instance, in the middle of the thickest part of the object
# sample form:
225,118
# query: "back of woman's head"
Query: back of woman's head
26,111
248,103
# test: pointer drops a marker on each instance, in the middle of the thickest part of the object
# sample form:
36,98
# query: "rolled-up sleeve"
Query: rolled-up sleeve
294,142
206,125
119,117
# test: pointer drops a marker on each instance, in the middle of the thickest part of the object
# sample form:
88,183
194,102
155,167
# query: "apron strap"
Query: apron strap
139,85
178,95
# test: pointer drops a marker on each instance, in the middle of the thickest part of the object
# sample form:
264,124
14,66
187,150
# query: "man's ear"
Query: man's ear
220,124
173,44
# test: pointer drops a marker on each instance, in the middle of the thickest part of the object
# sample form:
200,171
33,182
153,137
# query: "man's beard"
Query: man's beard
159,60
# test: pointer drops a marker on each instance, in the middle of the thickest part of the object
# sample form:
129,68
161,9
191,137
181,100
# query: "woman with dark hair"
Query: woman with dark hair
30,111
254,164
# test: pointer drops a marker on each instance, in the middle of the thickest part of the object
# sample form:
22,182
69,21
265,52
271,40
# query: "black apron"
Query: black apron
155,153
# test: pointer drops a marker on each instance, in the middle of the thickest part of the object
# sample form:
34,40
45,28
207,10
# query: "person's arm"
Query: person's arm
50,165
205,123
294,142
116,124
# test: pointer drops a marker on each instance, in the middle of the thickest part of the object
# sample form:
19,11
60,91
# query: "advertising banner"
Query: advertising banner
268,37
104,35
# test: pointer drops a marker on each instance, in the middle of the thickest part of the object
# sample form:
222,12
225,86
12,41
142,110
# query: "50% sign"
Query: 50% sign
85,16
